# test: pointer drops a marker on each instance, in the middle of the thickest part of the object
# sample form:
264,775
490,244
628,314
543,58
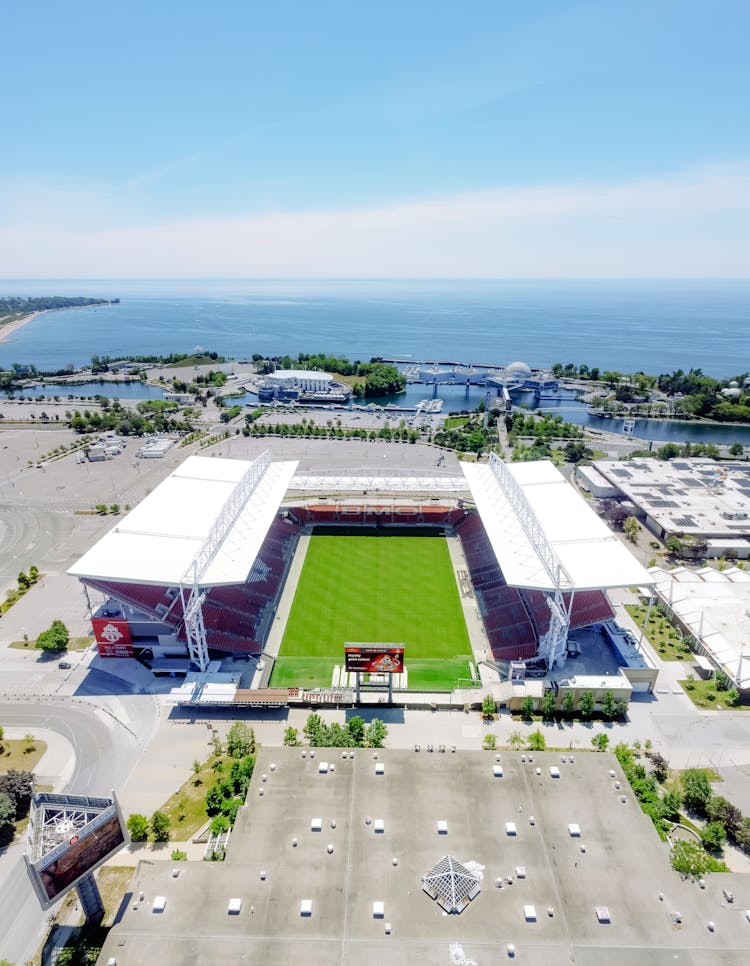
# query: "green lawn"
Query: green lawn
380,589
704,694
661,635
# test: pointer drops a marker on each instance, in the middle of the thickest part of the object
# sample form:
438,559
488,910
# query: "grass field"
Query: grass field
380,589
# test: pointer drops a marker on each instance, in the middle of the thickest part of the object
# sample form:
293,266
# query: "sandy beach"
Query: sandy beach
9,328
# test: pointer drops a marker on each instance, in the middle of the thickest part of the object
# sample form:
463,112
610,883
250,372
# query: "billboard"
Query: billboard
375,658
83,847
112,637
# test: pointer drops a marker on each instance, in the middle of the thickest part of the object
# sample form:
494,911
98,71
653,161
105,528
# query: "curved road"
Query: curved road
105,754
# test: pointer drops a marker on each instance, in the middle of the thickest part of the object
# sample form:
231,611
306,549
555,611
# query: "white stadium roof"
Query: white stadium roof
576,543
158,541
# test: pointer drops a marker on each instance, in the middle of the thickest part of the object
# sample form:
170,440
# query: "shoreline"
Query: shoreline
10,327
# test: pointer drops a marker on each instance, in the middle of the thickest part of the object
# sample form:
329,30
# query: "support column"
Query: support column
90,898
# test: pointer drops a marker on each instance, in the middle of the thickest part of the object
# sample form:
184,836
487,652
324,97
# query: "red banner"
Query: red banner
112,637
375,659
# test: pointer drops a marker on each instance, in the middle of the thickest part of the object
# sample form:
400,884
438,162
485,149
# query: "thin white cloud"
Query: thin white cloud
690,223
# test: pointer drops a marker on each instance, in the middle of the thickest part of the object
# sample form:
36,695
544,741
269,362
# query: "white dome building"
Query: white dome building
516,374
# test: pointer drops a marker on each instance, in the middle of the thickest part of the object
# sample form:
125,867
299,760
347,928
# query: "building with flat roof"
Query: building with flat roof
305,385
694,497
357,856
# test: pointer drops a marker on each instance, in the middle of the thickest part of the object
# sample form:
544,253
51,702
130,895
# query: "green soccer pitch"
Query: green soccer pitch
375,589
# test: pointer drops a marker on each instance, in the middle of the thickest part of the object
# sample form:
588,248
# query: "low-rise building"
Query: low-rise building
696,498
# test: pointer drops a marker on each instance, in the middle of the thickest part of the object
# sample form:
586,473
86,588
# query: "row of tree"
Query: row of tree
611,709
313,430
354,734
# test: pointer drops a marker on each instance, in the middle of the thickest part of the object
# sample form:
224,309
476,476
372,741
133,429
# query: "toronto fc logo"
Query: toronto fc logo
111,634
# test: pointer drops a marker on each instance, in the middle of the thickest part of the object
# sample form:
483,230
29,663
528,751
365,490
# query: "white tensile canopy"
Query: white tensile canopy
533,516
157,542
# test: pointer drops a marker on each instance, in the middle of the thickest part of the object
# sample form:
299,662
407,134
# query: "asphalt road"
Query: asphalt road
106,752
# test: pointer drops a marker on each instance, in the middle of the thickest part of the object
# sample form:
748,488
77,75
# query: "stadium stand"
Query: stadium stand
235,616
516,619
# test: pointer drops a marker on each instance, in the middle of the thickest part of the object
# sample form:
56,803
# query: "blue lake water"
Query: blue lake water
628,326
120,390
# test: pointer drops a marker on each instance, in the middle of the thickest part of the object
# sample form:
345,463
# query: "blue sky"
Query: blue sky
570,139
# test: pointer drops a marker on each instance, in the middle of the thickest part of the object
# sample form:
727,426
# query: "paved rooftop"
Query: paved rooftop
693,496
624,867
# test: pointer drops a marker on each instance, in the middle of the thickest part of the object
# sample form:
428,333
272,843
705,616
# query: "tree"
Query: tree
488,706
527,708
600,741
219,824
315,730
214,799
356,729
568,705
689,859
515,739
18,786
697,789
713,836
7,815
160,825
671,805
631,528
736,449
609,705
375,734
489,742
33,573
660,766
536,741
23,581
55,638
548,704
586,704
721,810
138,827
240,740
291,736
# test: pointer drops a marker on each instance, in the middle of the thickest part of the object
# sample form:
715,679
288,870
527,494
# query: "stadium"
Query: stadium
476,576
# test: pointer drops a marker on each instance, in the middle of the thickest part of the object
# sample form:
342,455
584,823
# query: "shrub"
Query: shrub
178,855
713,836
138,827
697,789
600,741
219,824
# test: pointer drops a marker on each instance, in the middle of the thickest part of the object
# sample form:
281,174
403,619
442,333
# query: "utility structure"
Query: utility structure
192,593
553,644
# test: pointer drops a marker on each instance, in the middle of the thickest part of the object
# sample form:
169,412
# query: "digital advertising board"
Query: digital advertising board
83,847
375,658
